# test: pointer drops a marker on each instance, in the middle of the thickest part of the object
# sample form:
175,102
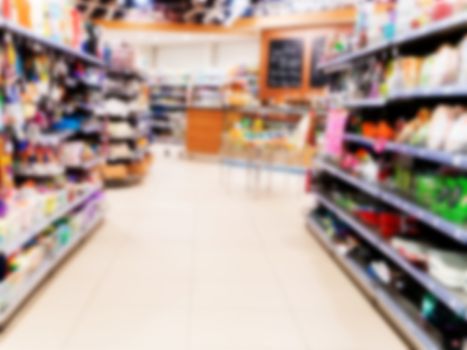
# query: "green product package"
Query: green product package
63,234
426,189
444,188
456,208
403,179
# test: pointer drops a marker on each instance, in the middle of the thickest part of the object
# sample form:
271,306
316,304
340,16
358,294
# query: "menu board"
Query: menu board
285,65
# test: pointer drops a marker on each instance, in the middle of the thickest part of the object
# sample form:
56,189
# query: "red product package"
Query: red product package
368,216
390,224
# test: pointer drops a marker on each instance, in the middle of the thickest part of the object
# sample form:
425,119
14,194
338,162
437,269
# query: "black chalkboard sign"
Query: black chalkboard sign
285,63
317,76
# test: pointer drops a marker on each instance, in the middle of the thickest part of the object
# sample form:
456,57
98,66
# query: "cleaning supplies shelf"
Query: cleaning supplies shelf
40,276
453,24
451,230
13,246
458,161
417,336
457,302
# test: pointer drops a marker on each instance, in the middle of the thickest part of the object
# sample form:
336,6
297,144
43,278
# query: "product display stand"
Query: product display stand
378,185
128,128
169,100
52,196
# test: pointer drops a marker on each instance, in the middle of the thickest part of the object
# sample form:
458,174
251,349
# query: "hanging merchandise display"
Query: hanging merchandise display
393,198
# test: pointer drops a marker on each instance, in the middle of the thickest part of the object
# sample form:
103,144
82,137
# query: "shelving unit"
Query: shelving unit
335,173
12,305
458,161
207,90
444,27
404,96
63,49
366,103
40,219
133,159
169,101
381,298
454,231
456,301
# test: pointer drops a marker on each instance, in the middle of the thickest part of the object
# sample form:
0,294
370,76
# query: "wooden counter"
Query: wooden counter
205,127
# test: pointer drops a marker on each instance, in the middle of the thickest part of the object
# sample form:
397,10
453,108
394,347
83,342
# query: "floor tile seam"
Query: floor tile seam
280,284
91,294
191,312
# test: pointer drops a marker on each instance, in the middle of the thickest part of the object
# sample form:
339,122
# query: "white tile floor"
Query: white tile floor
187,261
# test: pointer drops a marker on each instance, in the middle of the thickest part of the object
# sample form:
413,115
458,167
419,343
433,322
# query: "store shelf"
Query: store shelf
446,26
122,95
82,82
54,138
451,230
137,155
24,171
162,125
343,62
12,247
127,181
366,103
39,276
124,73
457,302
401,96
449,91
413,332
277,110
86,166
456,23
91,129
458,161
51,44
169,107
128,138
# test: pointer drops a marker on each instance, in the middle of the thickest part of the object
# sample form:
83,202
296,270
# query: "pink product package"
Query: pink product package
335,130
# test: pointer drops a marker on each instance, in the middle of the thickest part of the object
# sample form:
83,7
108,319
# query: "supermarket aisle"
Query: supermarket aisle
185,262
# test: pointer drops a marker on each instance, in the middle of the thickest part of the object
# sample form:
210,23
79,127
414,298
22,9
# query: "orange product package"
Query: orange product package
369,129
23,11
411,68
